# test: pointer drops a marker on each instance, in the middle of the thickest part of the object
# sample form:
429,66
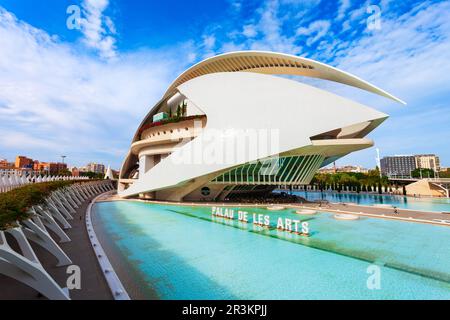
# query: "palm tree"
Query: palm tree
319,180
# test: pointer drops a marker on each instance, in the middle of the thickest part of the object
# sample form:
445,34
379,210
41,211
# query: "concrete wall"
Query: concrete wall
425,189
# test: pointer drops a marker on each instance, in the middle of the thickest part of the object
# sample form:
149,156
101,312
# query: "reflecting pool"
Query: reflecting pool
183,252
422,204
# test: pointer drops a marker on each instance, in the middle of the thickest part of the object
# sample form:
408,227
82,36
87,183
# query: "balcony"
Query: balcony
164,122
168,131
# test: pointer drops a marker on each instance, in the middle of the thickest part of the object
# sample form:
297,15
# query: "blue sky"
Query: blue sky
82,92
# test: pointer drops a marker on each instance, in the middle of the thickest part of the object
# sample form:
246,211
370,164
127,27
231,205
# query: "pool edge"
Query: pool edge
115,285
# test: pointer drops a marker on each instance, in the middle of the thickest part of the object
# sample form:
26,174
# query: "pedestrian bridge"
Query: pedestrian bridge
442,183
411,179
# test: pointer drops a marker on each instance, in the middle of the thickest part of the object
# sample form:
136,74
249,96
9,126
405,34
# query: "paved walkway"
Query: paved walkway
79,250
385,213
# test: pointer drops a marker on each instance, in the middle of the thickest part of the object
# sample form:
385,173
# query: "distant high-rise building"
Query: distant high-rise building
5,165
348,168
57,167
428,161
398,165
52,168
354,169
23,162
75,172
95,167
403,165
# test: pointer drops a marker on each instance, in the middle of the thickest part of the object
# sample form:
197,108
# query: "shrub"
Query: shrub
14,205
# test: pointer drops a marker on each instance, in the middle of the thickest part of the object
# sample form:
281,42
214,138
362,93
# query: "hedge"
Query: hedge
14,205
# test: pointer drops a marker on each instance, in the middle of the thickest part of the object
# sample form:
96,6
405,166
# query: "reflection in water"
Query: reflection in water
186,253
423,204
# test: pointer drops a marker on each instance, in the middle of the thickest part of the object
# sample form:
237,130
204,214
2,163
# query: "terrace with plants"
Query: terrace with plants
179,115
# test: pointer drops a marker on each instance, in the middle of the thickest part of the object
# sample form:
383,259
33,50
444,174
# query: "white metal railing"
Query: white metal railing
9,182
54,214
438,180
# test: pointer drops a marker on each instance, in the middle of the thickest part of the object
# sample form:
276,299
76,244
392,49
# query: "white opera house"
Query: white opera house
238,123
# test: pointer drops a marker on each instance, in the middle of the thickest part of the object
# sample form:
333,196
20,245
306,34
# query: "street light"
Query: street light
378,160
436,172
63,157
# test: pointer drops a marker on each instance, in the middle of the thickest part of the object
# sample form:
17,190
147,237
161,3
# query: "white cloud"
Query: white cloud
315,31
14,139
408,56
236,5
98,30
269,26
209,42
346,25
54,100
344,5
249,31
359,12
48,93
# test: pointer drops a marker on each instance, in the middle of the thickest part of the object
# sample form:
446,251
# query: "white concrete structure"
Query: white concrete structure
115,285
429,188
53,215
240,129
14,180
109,174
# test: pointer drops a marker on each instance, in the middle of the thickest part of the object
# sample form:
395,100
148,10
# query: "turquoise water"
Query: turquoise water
422,204
178,252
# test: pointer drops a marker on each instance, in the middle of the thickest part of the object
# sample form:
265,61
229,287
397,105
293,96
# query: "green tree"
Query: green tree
426,173
356,180
65,172
92,175
184,109
444,174
179,111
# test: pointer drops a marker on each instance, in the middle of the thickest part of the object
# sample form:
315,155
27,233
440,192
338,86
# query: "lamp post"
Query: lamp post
62,157
436,172
378,160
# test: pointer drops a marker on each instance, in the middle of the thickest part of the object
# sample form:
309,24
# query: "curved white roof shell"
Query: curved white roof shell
274,63
238,92
252,101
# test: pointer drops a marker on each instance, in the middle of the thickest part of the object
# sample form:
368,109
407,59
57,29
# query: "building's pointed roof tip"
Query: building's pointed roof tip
109,175
274,63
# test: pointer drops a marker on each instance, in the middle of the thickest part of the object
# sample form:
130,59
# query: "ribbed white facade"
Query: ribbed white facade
227,125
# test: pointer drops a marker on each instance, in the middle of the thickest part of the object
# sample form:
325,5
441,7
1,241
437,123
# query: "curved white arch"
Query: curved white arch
245,95
274,63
